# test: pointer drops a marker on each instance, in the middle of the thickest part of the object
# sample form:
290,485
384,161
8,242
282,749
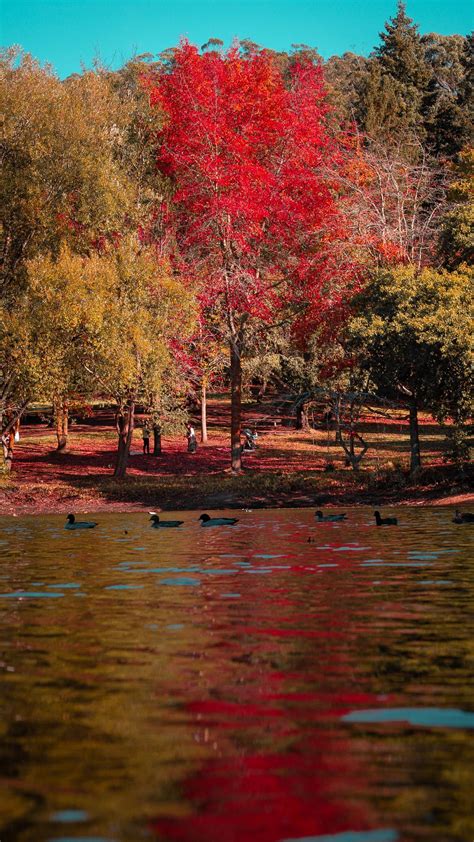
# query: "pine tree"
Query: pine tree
447,109
398,79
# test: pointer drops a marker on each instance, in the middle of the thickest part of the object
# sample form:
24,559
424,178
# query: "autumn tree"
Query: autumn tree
252,211
146,308
68,298
62,180
22,372
394,199
62,183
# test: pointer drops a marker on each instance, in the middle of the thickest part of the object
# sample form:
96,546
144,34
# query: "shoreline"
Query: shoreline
290,468
12,504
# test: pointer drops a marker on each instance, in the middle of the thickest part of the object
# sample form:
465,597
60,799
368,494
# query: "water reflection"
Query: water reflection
237,684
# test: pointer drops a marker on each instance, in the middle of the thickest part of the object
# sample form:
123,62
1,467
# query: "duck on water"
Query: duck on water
206,520
72,523
320,518
385,521
463,517
164,524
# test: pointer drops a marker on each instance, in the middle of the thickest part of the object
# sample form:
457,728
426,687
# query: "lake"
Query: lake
275,680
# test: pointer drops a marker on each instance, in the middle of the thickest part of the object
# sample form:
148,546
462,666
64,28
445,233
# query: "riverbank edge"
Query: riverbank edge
40,502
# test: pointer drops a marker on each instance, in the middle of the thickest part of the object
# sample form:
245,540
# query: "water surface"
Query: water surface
275,680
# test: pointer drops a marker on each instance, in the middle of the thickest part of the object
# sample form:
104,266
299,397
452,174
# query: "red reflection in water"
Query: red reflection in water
285,768
266,798
306,789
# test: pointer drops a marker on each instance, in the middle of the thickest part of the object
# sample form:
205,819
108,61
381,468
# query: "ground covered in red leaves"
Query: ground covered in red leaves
288,468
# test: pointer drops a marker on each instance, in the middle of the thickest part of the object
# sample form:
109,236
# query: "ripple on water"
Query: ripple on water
30,595
185,581
80,839
69,816
66,586
123,672
380,835
123,587
425,717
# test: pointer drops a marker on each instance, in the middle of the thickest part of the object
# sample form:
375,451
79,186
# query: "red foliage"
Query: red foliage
253,213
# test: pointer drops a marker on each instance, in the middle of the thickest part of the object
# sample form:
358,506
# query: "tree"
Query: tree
346,78
147,308
399,74
457,229
395,197
106,323
252,211
22,373
68,298
62,180
413,335
447,120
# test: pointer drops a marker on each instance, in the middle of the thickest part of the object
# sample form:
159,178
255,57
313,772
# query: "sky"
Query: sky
69,33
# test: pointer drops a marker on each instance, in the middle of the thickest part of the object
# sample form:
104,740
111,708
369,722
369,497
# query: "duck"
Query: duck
217,521
463,517
164,524
385,521
329,518
72,523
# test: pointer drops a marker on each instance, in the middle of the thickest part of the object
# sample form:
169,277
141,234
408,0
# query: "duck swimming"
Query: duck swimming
72,523
329,518
164,524
463,517
385,521
217,521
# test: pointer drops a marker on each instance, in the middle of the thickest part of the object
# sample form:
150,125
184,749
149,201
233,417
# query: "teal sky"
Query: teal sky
67,33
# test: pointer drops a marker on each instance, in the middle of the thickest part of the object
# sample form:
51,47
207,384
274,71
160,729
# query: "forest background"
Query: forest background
242,221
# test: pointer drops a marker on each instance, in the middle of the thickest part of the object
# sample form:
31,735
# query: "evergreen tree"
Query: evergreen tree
397,82
466,90
448,118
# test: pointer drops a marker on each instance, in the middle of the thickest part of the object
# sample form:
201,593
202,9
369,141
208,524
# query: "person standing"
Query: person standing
191,437
146,438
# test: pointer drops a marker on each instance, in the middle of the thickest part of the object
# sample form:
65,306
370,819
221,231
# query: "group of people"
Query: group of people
146,433
250,438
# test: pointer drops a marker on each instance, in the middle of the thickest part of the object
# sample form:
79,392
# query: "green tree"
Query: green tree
457,230
346,78
393,99
22,373
107,322
413,334
447,119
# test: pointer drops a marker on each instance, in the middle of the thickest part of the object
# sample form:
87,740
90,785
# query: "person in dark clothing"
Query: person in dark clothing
146,438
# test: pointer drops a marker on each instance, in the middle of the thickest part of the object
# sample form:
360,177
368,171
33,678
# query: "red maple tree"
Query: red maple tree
246,148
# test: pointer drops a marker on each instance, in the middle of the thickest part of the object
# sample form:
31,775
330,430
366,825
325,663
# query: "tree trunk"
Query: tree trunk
124,421
156,440
61,412
236,403
203,410
415,459
7,447
7,434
